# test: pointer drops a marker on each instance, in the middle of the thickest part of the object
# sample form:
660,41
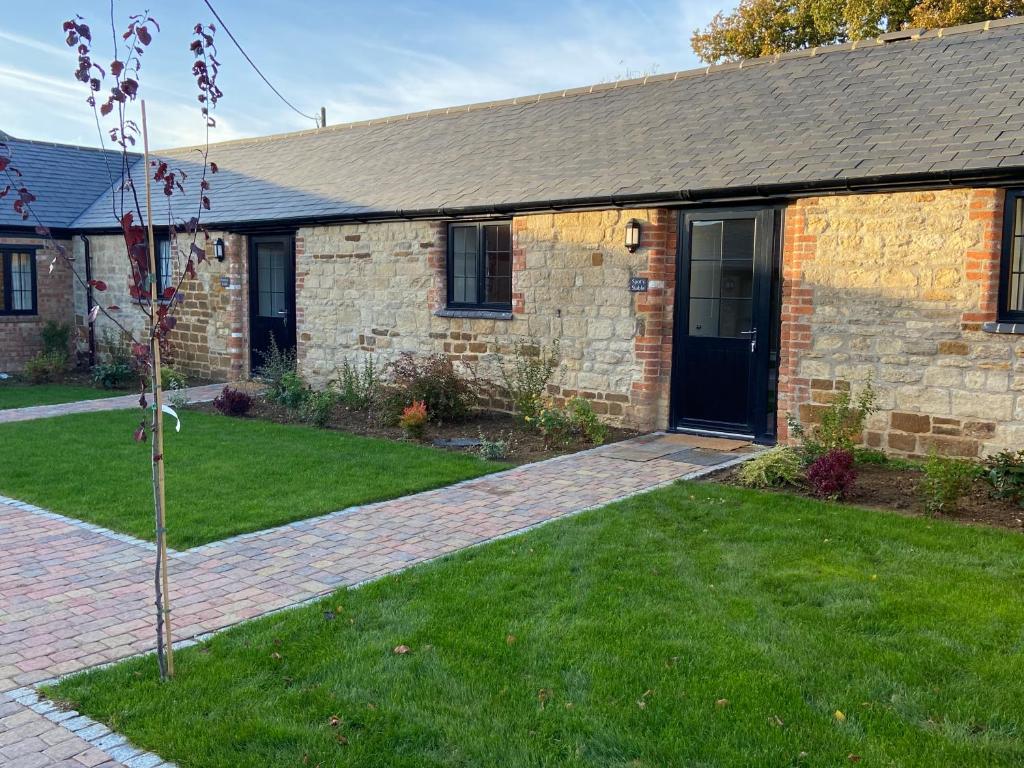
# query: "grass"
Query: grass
224,476
21,395
698,625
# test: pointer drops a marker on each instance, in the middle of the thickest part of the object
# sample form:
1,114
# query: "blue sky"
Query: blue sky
358,59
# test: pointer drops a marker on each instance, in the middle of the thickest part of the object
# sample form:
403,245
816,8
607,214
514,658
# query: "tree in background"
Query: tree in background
766,27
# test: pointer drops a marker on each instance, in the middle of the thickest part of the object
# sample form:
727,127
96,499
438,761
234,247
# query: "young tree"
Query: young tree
113,93
766,27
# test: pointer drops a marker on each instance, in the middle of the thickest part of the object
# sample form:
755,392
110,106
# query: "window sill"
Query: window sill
14,317
1014,329
478,314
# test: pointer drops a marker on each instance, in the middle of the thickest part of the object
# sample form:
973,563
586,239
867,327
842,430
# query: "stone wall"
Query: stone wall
21,335
896,287
378,288
207,342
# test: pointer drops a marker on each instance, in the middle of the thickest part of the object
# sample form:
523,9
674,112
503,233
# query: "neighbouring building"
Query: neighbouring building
714,249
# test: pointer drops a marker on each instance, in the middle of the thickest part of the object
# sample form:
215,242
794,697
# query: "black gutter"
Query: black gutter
685,197
89,300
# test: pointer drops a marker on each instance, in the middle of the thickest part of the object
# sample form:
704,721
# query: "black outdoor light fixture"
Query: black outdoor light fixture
218,249
632,235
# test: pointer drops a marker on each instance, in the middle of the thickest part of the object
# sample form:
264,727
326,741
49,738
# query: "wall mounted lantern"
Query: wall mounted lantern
218,249
632,235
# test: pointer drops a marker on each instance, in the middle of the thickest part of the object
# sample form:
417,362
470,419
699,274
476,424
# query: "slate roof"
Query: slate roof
944,103
66,180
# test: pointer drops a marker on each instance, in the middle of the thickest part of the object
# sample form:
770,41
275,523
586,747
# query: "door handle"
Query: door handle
752,333
284,316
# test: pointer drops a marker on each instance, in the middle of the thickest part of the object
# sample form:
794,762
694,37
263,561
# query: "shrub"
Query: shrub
775,468
118,370
435,383
233,402
177,398
318,407
57,338
291,391
583,421
554,425
171,379
841,426
359,387
945,481
496,450
527,375
277,364
46,367
832,474
1004,471
414,420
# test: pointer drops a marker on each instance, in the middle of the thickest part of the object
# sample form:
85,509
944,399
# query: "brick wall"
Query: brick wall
21,335
376,288
896,287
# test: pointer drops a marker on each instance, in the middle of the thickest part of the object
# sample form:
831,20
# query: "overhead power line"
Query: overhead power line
263,77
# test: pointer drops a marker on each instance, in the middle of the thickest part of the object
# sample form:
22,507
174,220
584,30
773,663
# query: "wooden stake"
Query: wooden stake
159,497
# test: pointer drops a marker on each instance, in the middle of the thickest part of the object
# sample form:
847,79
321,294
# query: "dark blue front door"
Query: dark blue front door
723,323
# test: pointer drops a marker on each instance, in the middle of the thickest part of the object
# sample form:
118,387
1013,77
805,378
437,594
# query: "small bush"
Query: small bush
318,407
414,420
57,338
527,375
118,369
177,398
832,474
870,456
775,468
291,391
585,422
1004,472
435,382
172,379
945,481
841,427
359,387
46,367
496,450
277,364
233,402
554,425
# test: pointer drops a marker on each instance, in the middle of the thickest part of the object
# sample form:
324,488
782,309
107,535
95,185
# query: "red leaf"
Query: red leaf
206,202
107,107
116,68
140,434
199,253
169,292
144,37
99,285
213,167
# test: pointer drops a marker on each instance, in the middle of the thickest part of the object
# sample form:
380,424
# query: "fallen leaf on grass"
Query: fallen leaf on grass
776,721
402,649
510,639
335,721
722,703
839,716
853,758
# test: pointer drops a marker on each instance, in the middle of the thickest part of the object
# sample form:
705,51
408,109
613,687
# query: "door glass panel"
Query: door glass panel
270,272
721,277
498,249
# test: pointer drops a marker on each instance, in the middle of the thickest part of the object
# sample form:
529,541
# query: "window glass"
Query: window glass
270,275
165,265
499,263
465,258
21,282
3,283
1015,286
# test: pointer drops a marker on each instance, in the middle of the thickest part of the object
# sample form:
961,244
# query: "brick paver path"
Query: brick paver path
201,394
72,597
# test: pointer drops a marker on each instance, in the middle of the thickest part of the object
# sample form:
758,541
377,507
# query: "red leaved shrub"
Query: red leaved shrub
832,474
233,402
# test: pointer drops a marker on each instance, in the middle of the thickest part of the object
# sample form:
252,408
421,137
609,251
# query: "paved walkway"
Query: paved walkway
201,394
73,596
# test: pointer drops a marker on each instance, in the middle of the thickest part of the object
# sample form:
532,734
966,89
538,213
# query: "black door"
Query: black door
723,322
271,295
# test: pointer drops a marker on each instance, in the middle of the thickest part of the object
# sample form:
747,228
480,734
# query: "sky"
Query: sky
360,60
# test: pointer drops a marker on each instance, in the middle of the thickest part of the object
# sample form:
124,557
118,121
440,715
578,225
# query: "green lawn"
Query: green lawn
21,395
224,476
698,625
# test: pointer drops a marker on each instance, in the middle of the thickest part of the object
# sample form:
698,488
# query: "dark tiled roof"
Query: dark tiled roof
65,179
946,101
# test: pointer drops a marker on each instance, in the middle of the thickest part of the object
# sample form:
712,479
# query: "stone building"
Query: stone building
715,250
